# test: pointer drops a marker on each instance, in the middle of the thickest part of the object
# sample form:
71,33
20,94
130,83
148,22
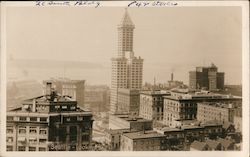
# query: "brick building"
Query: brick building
206,78
48,123
151,104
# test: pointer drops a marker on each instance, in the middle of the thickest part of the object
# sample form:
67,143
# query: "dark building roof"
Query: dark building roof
225,143
199,145
213,144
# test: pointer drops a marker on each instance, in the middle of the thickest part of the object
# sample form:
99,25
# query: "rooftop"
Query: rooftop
117,131
212,143
131,118
199,145
141,135
200,96
156,92
225,143
216,104
63,80
20,112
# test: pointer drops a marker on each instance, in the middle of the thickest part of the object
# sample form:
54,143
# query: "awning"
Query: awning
21,139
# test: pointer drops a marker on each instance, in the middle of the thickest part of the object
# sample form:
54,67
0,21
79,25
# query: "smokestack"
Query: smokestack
172,76
34,105
48,88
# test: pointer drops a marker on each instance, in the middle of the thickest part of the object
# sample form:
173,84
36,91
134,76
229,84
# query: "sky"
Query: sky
78,43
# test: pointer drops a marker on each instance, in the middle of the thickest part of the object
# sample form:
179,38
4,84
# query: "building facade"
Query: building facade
128,101
216,111
143,141
126,68
50,122
96,98
183,106
151,105
206,78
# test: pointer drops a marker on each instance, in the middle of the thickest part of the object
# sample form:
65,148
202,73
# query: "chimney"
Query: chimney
172,76
48,88
34,105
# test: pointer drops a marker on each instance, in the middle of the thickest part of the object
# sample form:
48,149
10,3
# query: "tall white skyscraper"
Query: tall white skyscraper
126,68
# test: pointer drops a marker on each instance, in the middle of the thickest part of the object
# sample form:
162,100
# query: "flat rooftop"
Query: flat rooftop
20,112
131,118
117,131
203,96
155,92
142,135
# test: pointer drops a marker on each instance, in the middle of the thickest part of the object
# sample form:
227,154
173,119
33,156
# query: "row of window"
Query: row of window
23,130
23,148
23,118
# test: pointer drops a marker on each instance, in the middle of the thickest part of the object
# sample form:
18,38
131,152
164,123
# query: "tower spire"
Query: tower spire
125,35
126,20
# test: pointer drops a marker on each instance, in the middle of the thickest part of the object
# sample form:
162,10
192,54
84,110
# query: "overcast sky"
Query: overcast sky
78,43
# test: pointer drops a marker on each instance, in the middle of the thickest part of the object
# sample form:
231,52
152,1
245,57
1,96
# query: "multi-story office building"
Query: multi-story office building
96,98
183,106
128,101
49,122
151,104
216,111
73,88
126,68
143,141
206,78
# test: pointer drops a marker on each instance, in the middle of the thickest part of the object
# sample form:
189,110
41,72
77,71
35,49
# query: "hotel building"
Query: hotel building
216,111
50,122
151,104
183,106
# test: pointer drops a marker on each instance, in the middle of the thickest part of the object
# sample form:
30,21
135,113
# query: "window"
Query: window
10,118
42,149
9,148
32,130
32,140
32,148
21,148
9,139
33,119
22,130
79,118
67,119
9,130
43,119
43,132
42,140
64,107
72,108
22,118
85,138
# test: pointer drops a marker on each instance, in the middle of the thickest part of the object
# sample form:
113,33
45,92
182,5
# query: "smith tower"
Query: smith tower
126,68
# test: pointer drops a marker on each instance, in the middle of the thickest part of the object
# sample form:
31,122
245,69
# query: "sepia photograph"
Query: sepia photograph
135,76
